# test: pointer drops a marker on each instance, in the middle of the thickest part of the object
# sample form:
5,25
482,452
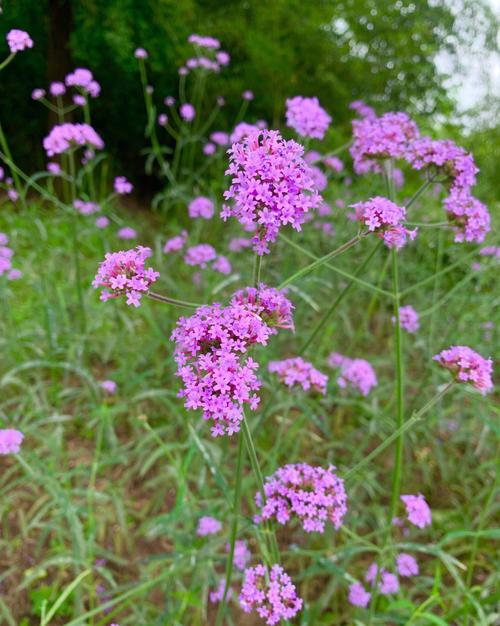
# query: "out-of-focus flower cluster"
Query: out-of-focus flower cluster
63,137
355,372
467,366
307,117
385,219
296,371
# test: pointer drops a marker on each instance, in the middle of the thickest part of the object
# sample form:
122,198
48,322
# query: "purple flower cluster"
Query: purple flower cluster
201,207
408,319
200,255
6,254
86,207
204,41
127,233
384,137
385,219
270,593
242,131
296,371
313,494
187,112
123,273
108,386
307,117
62,137
18,40
218,594
241,555
406,565
362,109
83,79
239,243
356,372
175,244
270,304
334,163
10,440
222,265
122,186
208,526
467,366
469,217
388,583
271,186
212,360
417,510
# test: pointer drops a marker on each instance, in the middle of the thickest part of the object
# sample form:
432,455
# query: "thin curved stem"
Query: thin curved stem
256,270
183,303
321,261
234,531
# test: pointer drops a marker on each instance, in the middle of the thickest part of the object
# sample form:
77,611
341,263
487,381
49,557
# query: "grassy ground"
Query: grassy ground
114,486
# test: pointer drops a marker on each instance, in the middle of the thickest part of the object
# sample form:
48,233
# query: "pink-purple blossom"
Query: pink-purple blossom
109,386
247,95
467,366
334,163
187,112
218,375
296,371
200,255
307,117
222,265
208,526
204,41
271,594
175,244
201,207
220,138
62,137
122,186
468,216
241,555
417,510
10,440
313,495
124,274
355,372
126,233
388,583
140,53
384,218
102,222
57,89
270,304
362,109
376,138
241,131
239,243
358,596
85,207
217,595
38,94
406,565
408,319
18,40
271,186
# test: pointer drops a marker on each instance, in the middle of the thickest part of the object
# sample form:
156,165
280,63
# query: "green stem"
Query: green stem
398,458
419,192
257,266
234,531
321,261
254,462
174,301
7,60
74,237
406,426
6,150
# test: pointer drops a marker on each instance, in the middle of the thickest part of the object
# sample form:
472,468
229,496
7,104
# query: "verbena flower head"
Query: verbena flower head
38,94
10,440
124,274
296,371
140,53
85,207
208,526
247,95
406,565
467,366
334,163
270,304
444,158
384,137
57,89
18,40
127,233
62,137
408,319
204,41
417,510
241,131
218,594
468,216
220,138
237,244
312,494
109,386
362,109
242,554
212,361
122,186
175,244
387,582
200,255
102,222
358,596
222,265
385,219
201,207
320,180
209,149
307,117
271,186
187,112
355,372
270,593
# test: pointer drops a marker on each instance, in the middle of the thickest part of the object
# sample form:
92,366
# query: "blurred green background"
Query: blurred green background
413,56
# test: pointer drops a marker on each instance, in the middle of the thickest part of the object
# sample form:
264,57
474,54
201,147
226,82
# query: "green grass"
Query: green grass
122,480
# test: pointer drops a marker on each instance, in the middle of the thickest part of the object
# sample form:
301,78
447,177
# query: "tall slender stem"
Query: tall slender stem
257,266
234,531
174,301
321,261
